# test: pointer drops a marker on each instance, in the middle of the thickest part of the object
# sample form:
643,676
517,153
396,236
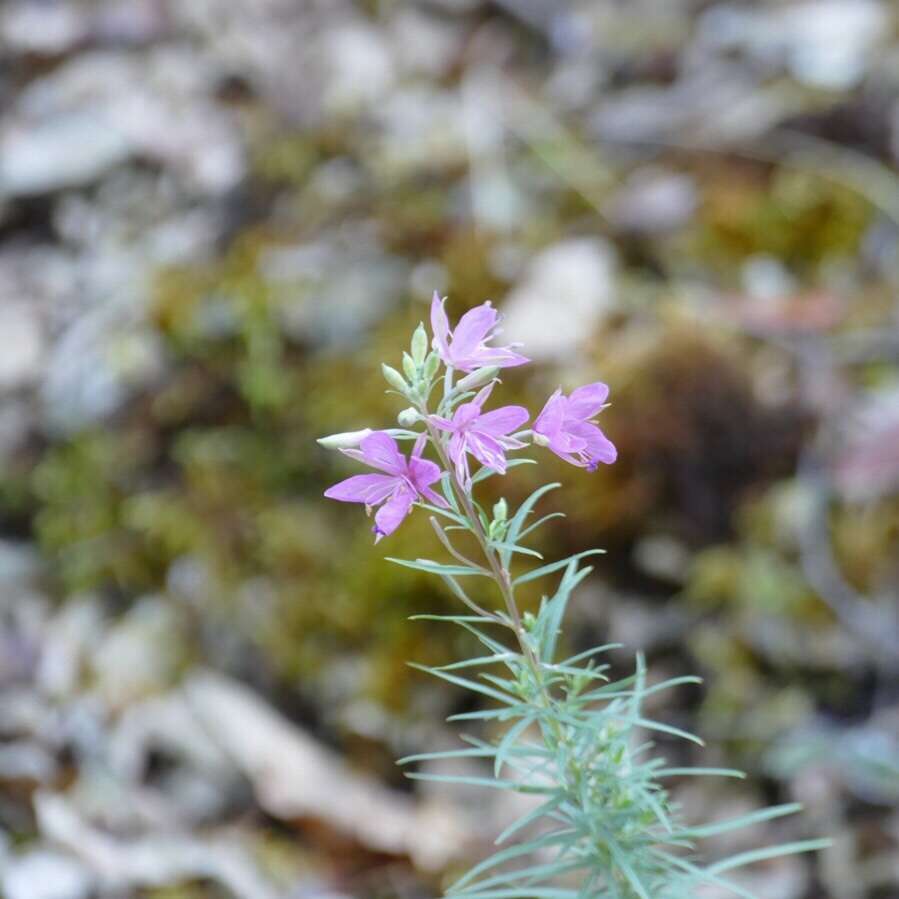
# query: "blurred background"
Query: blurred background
217,218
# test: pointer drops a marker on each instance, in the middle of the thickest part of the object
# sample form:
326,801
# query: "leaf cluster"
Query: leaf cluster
604,823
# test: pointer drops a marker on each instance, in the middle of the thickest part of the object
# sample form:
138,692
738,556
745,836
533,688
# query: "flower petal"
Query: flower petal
566,441
458,455
499,422
567,457
435,499
500,356
443,423
599,447
389,517
586,401
550,418
472,330
484,394
440,327
380,451
488,451
465,415
370,489
423,472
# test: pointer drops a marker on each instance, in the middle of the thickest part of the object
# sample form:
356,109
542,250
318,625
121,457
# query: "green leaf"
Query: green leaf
555,566
760,855
437,568
490,714
766,814
667,729
515,893
606,647
525,877
467,684
445,513
540,521
448,754
700,772
493,783
698,875
507,742
518,519
452,619
480,660
628,871
489,642
549,621
515,548
541,811
446,487
556,838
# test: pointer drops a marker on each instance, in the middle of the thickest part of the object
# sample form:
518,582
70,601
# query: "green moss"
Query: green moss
798,217
220,466
81,487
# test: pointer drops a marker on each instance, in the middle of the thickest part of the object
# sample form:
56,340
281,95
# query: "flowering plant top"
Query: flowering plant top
461,428
605,825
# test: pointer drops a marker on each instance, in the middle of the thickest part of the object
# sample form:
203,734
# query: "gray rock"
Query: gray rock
42,874
564,295
46,28
333,289
67,151
20,563
823,43
652,201
97,363
23,346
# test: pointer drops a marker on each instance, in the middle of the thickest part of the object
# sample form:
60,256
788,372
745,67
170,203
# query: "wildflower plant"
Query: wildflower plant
603,823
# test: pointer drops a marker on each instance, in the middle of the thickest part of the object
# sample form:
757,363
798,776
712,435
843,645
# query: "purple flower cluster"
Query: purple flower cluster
466,347
483,434
395,491
566,426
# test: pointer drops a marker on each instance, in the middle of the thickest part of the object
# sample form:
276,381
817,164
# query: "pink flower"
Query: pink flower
405,480
466,348
484,435
566,426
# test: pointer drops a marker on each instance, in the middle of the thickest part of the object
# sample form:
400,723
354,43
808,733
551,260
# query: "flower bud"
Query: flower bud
408,417
477,378
501,510
344,440
410,368
394,378
432,363
540,440
419,344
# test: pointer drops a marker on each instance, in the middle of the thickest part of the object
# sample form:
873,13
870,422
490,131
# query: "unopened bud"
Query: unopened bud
419,344
394,378
501,510
345,440
408,417
477,378
432,363
540,440
409,367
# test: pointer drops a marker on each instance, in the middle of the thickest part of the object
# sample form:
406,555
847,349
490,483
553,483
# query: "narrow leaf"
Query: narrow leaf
555,566
437,568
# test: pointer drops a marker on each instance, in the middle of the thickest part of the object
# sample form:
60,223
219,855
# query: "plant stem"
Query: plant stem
499,572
